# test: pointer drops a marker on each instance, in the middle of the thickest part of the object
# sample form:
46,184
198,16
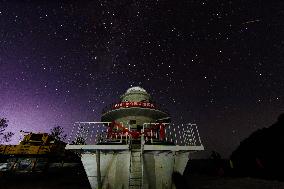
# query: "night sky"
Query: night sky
215,63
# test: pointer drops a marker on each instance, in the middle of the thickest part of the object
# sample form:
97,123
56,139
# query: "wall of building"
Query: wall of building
114,169
139,120
135,97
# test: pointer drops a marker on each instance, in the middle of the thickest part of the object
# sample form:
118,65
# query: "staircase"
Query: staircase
136,170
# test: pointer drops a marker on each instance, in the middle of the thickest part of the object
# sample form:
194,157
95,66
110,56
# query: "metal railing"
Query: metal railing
183,135
151,133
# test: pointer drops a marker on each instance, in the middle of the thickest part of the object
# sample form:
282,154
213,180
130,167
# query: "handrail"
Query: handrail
153,133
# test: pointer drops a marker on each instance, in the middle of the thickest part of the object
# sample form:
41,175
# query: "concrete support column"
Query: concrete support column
99,180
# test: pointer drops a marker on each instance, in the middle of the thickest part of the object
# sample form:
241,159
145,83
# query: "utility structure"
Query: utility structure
134,146
37,152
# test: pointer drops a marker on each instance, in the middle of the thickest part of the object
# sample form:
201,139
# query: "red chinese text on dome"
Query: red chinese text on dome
133,104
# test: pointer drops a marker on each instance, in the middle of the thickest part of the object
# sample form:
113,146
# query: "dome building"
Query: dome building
134,109
135,146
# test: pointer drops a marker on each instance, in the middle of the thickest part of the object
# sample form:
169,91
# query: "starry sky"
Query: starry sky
217,63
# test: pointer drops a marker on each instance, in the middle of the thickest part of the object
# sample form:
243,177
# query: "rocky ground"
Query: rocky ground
208,182
70,179
67,179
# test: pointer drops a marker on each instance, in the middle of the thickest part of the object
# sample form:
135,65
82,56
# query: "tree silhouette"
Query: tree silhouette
57,133
4,136
79,141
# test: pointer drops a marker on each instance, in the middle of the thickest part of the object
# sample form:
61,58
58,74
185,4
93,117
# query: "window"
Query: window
36,138
139,127
131,122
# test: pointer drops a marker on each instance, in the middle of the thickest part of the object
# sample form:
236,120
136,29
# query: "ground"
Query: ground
71,179
209,182
67,179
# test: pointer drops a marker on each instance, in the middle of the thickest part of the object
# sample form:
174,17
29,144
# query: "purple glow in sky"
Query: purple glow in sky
207,62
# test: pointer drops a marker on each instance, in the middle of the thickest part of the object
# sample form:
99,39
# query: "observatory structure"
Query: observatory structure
134,146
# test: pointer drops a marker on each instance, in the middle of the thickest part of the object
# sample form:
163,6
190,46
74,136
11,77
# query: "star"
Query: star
75,59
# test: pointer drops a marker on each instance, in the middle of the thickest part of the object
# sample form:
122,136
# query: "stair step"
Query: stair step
136,165
136,160
134,186
135,182
135,177
136,174
136,155
136,152
135,169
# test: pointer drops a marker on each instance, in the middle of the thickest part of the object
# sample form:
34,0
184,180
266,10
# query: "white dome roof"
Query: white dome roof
132,89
